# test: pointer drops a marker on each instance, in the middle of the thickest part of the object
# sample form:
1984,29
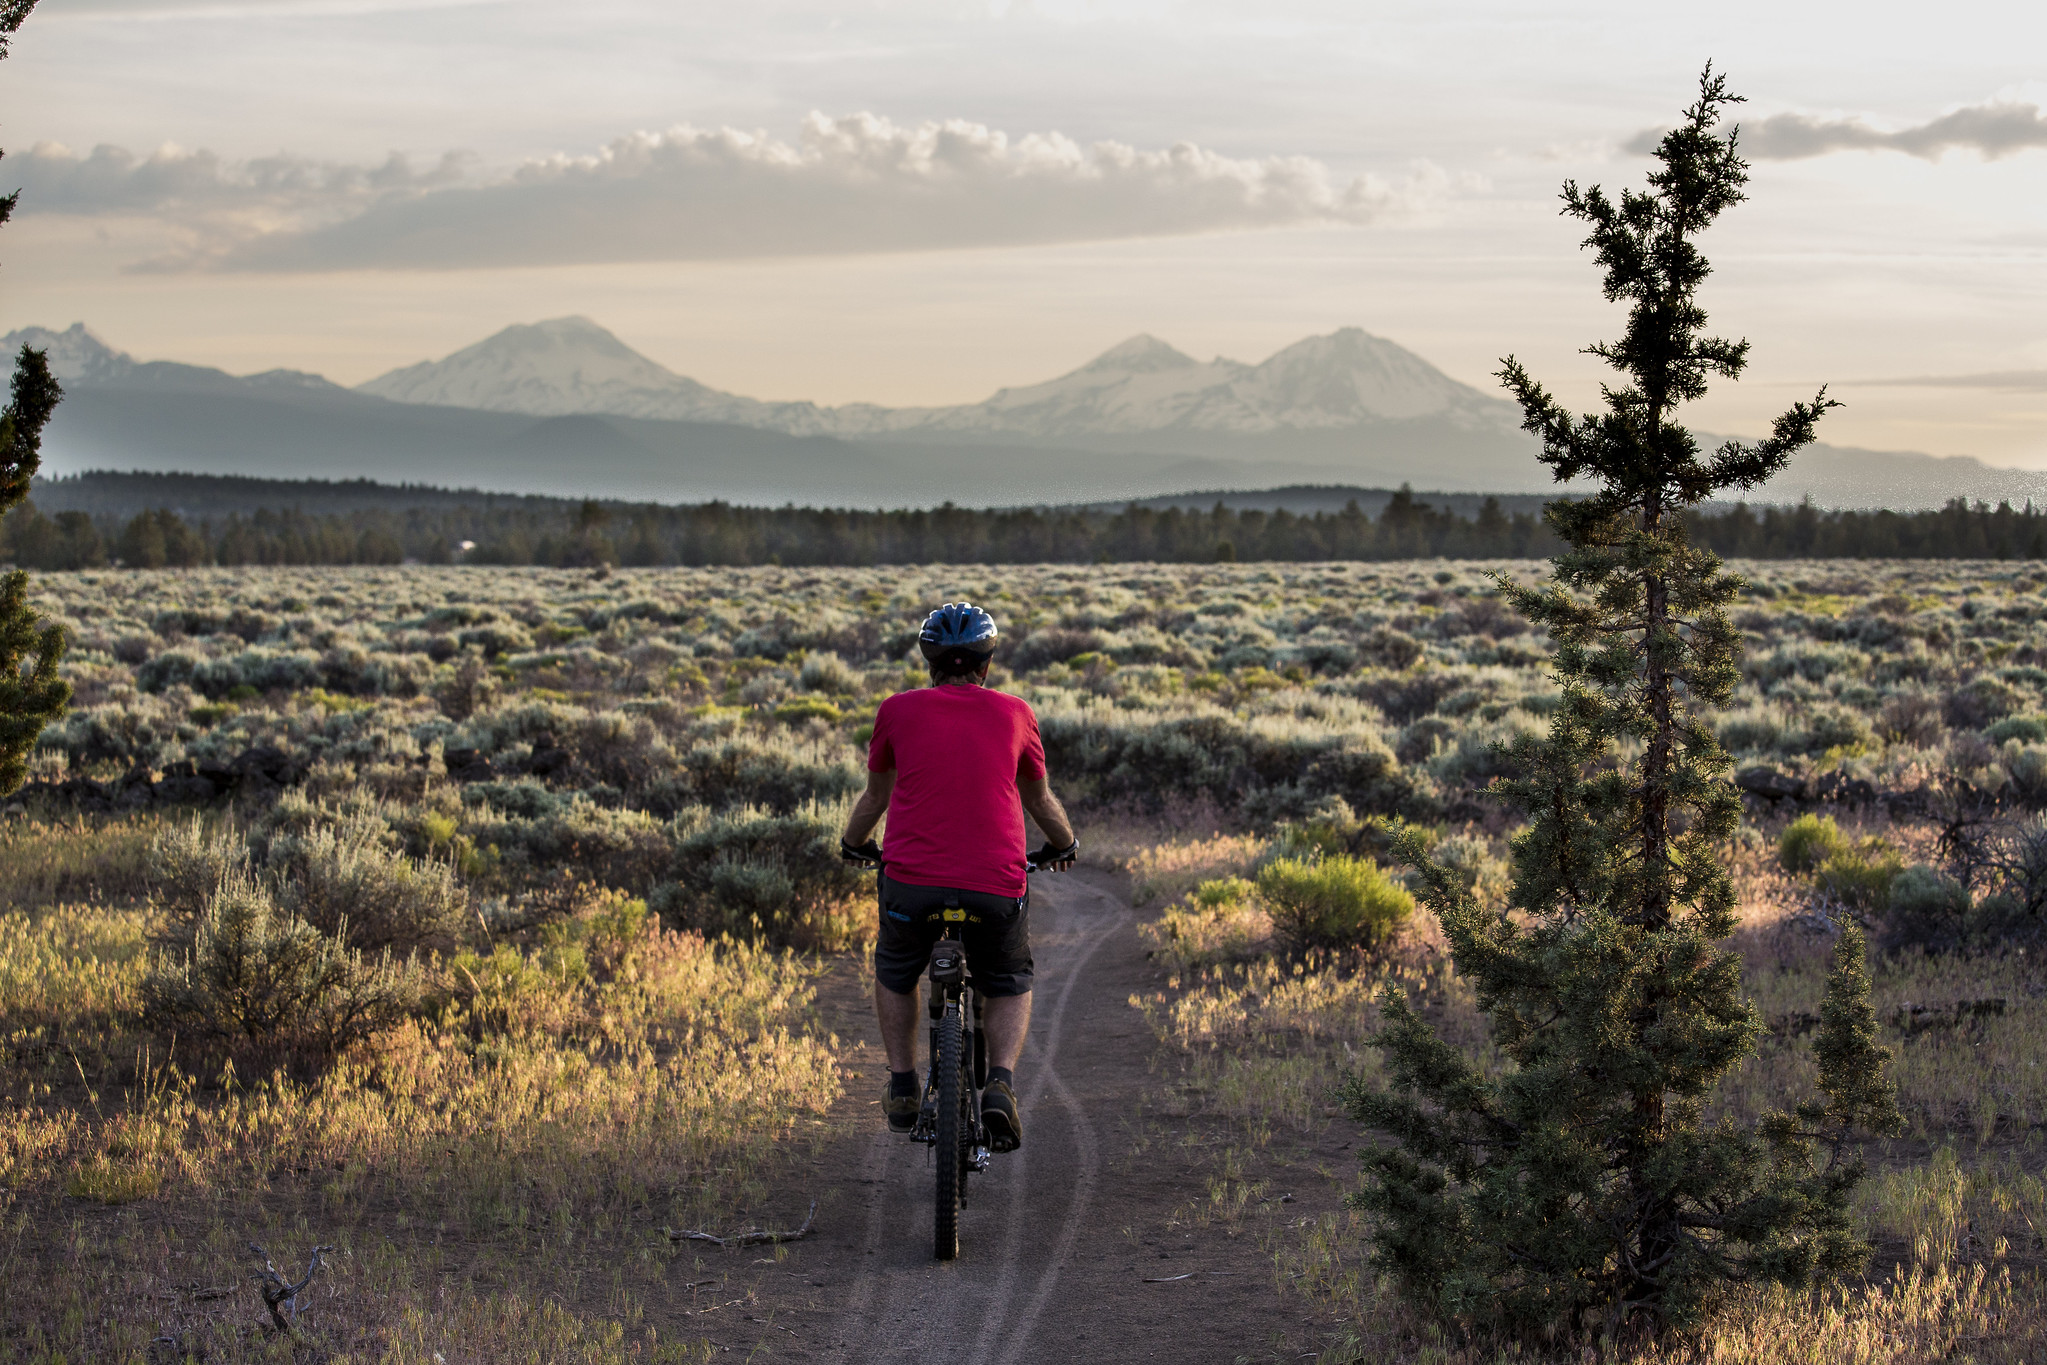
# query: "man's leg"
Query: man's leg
897,1015
1007,1018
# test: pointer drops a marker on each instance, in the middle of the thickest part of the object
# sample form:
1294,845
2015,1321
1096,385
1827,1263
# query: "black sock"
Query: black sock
1001,1073
902,1084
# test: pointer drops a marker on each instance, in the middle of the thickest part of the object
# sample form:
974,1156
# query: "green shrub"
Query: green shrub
1828,728
807,708
827,672
1809,841
2029,729
778,773
758,875
1857,874
624,848
523,799
187,864
344,880
1861,876
257,975
1222,892
1928,910
1471,860
1337,902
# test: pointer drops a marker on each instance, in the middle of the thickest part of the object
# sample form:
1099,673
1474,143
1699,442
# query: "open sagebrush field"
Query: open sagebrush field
469,920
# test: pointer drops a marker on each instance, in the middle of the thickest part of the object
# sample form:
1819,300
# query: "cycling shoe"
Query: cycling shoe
900,1110
1000,1117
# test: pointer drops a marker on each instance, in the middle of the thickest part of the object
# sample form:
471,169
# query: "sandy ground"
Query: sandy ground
1073,1248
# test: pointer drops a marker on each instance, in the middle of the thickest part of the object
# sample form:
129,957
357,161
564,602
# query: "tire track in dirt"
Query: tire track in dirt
904,1305
1096,1241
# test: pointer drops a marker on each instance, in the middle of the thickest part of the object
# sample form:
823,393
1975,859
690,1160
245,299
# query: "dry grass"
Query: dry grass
1167,871
84,859
1968,1313
493,1182
1956,1209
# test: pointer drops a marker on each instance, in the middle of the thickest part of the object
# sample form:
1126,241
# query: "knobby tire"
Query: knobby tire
950,1151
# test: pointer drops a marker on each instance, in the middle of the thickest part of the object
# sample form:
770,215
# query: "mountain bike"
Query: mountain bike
949,1118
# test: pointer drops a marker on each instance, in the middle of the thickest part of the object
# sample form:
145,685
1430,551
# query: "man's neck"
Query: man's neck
965,680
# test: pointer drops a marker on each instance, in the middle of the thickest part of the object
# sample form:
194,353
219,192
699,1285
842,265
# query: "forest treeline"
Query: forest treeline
565,533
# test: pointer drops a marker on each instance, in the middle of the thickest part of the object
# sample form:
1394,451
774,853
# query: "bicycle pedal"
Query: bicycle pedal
977,1160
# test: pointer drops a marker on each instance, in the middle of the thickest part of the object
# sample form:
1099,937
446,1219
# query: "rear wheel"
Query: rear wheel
950,1150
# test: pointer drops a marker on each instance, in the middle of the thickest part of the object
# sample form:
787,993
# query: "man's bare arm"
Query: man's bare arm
872,805
1043,807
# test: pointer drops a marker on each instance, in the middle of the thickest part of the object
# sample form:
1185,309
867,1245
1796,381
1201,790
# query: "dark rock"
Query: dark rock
548,762
467,765
264,766
186,790
1770,784
82,793
1843,790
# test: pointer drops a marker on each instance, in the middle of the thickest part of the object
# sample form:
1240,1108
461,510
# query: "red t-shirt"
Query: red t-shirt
954,819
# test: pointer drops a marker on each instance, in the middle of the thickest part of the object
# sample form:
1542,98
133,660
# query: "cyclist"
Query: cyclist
955,766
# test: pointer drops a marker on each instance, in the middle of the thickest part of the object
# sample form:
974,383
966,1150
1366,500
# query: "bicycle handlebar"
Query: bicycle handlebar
870,854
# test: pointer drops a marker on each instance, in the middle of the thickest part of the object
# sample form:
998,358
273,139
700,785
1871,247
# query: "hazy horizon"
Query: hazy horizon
915,204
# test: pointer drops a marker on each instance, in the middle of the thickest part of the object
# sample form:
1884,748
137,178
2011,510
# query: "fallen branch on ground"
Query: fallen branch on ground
747,1239
279,1294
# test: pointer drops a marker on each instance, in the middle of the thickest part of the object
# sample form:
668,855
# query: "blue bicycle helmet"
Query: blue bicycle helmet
957,638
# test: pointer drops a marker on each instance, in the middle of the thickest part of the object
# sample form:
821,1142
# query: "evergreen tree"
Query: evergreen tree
1579,1187
31,693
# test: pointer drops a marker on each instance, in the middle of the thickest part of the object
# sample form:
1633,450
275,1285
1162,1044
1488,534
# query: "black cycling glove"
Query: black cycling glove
1051,854
867,853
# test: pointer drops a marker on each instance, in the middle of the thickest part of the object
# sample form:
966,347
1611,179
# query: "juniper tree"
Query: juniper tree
31,693
1578,1185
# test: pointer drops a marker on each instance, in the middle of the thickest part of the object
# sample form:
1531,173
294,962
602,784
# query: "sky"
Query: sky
918,202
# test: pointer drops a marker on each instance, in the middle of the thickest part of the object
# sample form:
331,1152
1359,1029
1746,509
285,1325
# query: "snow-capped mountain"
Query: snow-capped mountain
571,366
1349,378
564,407
76,355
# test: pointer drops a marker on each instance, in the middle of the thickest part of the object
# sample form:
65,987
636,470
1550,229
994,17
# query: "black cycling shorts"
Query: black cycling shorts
995,929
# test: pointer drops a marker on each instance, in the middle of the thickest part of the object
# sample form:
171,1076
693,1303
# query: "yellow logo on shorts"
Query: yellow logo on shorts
954,914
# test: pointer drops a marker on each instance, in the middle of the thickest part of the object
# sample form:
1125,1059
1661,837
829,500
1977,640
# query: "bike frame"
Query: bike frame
953,993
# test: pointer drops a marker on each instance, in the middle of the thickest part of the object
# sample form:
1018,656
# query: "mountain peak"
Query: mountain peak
570,365
572,333
1141,354
76,355
559,365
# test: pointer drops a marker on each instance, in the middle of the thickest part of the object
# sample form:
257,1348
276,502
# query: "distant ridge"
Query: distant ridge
1346,379
564,408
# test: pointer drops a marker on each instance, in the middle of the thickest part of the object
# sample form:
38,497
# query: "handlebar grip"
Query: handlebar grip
1046,856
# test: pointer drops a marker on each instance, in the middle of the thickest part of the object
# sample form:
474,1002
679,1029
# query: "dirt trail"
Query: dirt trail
1069,1246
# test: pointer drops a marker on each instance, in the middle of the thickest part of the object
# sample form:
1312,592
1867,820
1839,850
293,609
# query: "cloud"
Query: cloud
196,186
1995,129
847,185
2011,381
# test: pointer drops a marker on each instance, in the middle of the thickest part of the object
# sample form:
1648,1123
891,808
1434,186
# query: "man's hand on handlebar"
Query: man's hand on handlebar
861,855
1052,858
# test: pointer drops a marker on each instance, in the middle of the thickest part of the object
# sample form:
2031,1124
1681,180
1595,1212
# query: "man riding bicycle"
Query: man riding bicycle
955,766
